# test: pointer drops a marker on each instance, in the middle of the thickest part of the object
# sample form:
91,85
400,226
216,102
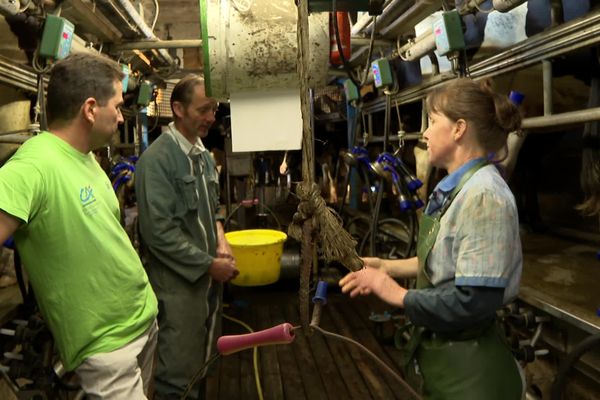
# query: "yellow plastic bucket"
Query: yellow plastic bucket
258,255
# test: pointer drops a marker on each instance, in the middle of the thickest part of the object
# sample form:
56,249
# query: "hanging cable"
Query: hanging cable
156,11
369,53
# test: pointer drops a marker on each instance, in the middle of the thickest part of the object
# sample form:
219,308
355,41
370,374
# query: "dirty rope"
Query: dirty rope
314,220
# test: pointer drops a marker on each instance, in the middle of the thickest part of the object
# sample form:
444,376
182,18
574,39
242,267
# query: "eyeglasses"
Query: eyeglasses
209,108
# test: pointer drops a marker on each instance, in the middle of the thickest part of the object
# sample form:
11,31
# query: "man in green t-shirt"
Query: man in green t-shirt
88,280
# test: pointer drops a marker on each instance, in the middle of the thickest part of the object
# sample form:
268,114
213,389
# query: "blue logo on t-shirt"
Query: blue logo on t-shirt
86,195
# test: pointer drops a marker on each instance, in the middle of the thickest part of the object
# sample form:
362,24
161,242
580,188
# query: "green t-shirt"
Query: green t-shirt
89,282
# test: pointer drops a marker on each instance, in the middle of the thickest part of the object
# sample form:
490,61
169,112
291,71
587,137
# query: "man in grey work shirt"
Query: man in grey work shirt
187,255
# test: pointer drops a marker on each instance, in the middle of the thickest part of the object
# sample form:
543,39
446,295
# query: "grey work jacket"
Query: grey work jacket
177,208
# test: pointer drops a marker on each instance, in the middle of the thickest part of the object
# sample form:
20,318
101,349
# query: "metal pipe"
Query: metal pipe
116,9
17,76
407,21
366,20
547,86
360,41
159,44
412,51
390,13
145,29
568,118
406,136
506,5
361,23
16,138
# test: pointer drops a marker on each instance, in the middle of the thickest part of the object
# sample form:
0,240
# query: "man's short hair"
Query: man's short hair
77,78
184,90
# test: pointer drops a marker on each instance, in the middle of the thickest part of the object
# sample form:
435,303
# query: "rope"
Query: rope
314,218
335,243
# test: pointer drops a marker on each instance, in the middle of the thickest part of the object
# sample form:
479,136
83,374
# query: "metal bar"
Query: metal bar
362,22
158,44
118,11
390,13
568,118
17,76
393,138
360,41
15,139
528,297
547,86
410,18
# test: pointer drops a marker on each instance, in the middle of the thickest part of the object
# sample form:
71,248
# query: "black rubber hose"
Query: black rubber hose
375,220
582,347
411,229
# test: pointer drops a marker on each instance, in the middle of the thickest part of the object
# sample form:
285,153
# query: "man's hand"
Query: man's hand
373,262
223,269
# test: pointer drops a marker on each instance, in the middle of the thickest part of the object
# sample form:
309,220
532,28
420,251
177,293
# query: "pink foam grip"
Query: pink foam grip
280,334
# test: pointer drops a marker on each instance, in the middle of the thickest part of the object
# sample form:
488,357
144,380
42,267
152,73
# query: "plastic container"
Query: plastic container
258,255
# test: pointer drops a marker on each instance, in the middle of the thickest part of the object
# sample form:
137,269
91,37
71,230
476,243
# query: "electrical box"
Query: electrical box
351,91
382,72
56,38
448,33
126,72
145,94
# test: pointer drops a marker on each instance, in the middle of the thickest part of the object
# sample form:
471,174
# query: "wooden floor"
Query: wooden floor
314,367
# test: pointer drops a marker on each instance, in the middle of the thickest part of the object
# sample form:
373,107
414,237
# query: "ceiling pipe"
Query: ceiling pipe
412,16
506,5
360,41
417,48
145,29
159,44
122,17
365,19
390,13
361,24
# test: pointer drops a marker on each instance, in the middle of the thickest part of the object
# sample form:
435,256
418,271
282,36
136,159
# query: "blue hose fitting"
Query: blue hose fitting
321,293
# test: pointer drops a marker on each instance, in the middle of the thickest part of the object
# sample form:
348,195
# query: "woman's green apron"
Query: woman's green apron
475,364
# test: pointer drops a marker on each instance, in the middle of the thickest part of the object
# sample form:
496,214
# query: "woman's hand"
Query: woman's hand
375,281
